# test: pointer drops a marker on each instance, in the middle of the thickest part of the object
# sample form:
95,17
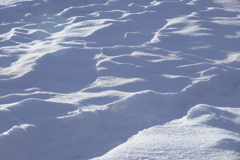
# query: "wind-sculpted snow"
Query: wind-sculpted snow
194,133
119,79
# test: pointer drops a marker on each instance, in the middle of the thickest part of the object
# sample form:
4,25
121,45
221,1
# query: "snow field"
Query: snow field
119,79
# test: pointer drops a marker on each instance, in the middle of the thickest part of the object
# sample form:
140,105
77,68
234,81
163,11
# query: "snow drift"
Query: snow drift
119,79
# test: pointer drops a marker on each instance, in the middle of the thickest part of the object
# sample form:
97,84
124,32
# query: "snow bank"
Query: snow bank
201,134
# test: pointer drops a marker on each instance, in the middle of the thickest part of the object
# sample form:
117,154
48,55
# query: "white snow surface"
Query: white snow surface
119,79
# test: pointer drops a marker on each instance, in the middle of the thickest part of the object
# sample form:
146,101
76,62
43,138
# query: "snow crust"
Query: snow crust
119,79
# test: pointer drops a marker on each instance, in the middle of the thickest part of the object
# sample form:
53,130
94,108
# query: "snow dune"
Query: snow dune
119,79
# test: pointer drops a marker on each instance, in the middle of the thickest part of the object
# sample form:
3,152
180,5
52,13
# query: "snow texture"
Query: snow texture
119,79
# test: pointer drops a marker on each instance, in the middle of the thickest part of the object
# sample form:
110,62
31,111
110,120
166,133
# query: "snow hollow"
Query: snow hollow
119,79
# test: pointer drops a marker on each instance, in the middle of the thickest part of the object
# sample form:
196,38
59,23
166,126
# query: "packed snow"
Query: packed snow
119,79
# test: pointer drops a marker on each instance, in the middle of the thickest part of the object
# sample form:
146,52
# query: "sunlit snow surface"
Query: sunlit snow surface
119,79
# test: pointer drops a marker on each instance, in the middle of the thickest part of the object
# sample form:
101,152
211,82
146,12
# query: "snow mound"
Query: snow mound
205,132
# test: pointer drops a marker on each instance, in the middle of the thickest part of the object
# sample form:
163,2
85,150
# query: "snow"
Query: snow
119,79
200,135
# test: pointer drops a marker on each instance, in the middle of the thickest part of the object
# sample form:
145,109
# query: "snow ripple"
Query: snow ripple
116,79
